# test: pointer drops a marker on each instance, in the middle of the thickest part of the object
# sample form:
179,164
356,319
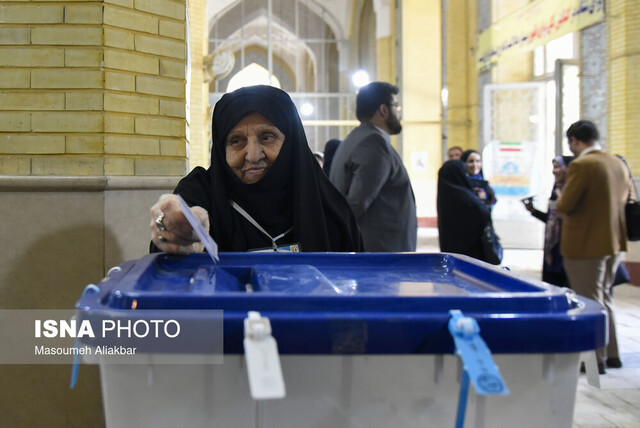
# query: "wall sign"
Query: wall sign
535,25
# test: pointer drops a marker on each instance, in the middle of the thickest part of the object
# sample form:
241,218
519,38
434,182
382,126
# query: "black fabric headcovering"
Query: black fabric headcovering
294,191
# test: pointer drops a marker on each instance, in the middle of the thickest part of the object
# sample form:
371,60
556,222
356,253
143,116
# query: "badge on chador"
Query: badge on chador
290,248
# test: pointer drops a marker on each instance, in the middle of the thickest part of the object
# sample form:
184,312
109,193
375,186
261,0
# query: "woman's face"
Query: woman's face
559,171
474,164
252,146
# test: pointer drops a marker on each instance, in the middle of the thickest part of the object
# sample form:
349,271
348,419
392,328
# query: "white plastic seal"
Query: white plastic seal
263,360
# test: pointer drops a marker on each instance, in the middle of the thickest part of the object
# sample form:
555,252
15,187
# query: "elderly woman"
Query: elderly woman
264,189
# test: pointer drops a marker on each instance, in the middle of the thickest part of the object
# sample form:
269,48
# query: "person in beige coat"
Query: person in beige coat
594,231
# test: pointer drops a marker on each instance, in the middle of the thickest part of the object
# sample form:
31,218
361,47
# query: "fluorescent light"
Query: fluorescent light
306,109
360,78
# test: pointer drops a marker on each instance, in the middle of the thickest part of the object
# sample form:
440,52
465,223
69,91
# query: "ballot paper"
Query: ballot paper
209,244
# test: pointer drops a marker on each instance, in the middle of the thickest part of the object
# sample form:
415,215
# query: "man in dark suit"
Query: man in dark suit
594,226
370,173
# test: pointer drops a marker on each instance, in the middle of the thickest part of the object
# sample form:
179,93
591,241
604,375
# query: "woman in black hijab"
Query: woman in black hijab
480,186
264,189
462,216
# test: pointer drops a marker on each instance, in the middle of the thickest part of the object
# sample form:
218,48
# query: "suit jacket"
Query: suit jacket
593,203
370,173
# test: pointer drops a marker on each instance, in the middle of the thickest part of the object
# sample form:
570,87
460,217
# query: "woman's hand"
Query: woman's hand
528,204
480,192
170,230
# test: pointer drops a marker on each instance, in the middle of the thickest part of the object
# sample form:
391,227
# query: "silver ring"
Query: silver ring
162,239
159,224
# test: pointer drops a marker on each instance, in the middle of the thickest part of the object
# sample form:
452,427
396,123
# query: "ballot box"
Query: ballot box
362,340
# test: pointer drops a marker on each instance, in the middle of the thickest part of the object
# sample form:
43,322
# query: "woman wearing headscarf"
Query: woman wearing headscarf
264,189
462,216
329,151
481,187
552,268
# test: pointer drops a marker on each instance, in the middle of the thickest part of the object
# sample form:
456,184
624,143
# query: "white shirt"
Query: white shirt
594,146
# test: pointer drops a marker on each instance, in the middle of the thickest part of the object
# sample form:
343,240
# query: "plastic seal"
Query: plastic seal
477,363
257,327
262,359
466,326
475,355
114,269
90,289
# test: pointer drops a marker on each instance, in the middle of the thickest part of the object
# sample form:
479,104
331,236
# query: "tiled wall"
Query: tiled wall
93,88
623,25
462,78
198,116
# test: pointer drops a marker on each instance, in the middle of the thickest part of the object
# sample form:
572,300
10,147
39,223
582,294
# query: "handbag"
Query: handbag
632,210
632,215
622,275
491,245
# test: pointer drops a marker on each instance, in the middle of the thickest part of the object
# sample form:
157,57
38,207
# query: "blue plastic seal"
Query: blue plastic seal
477,363
476,357
88,290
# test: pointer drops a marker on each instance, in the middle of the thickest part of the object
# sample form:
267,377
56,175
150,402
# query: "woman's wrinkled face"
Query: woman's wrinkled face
559,171
474,164
252,146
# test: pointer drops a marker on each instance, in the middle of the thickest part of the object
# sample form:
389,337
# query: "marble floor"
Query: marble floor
616,404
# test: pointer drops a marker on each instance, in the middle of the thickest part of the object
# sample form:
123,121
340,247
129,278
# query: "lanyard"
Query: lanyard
250,219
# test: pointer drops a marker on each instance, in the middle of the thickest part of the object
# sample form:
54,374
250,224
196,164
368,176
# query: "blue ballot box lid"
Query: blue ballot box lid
364,303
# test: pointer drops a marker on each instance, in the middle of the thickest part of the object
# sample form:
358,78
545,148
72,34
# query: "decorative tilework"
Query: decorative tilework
593,85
